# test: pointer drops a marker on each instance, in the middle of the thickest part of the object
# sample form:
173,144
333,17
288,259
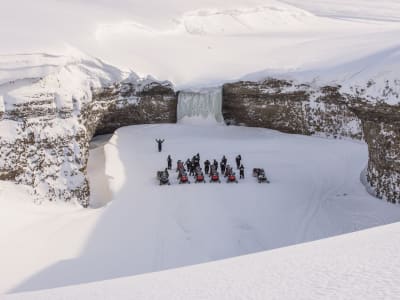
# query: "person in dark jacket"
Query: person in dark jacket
192,169
188,163
166,172
238,160
159,142
228,170
241,171
224,160
207,166
196,161
169,161
223,166
215,163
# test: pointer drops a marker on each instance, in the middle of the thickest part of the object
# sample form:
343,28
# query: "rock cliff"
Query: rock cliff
289,107
293,107
47,121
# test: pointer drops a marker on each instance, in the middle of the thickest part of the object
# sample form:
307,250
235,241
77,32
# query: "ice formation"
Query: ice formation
200,106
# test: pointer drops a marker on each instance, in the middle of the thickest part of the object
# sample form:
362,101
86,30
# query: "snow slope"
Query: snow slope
376,77
34,236
197,42
69,76
361,265
228,43
315,192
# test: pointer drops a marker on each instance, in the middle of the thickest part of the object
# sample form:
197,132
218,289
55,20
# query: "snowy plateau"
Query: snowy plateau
307,90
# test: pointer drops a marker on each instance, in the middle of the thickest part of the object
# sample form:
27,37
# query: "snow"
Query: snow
315,192
99,186
59,78
374,77
361,265
200,106
9,130
135,226
33,236
195,43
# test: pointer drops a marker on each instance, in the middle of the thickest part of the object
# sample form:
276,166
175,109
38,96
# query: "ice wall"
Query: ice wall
204,106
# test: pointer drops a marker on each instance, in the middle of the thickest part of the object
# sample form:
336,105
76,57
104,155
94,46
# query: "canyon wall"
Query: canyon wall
289,107
381,127
46,145
302,109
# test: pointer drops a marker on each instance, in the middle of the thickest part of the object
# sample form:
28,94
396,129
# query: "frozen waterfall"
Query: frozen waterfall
204,106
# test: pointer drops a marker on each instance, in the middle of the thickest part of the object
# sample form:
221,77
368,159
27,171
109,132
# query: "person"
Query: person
179,165
196,160
169,160
241,171
192,169
159,142
166,172
228,170
207,166
238,160
224,160
223,166
187,163
215,164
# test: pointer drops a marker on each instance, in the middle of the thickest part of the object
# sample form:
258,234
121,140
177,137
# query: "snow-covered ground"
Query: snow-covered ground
34,236
315,192
361,265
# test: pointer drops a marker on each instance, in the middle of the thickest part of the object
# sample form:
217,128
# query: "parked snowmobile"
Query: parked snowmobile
163,177
228,170
231,176
183,177
214,175
199,177
260,175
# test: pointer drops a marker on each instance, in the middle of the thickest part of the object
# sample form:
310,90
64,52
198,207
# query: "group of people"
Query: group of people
193,166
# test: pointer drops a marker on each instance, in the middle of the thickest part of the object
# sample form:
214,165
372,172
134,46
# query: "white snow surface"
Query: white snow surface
361,265
68,77
315,192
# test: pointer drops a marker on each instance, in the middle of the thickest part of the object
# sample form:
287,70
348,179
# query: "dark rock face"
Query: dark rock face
302,109
126,105
289,107
48,147
381,126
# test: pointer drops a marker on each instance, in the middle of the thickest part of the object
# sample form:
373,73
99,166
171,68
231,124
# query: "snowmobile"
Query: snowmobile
183,177
163,177
214,177
199,176
260,175
228,171
231,178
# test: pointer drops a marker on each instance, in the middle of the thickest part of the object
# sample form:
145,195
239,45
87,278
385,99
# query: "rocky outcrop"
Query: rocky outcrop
299,108
44,141
381,127
289,107
130,104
